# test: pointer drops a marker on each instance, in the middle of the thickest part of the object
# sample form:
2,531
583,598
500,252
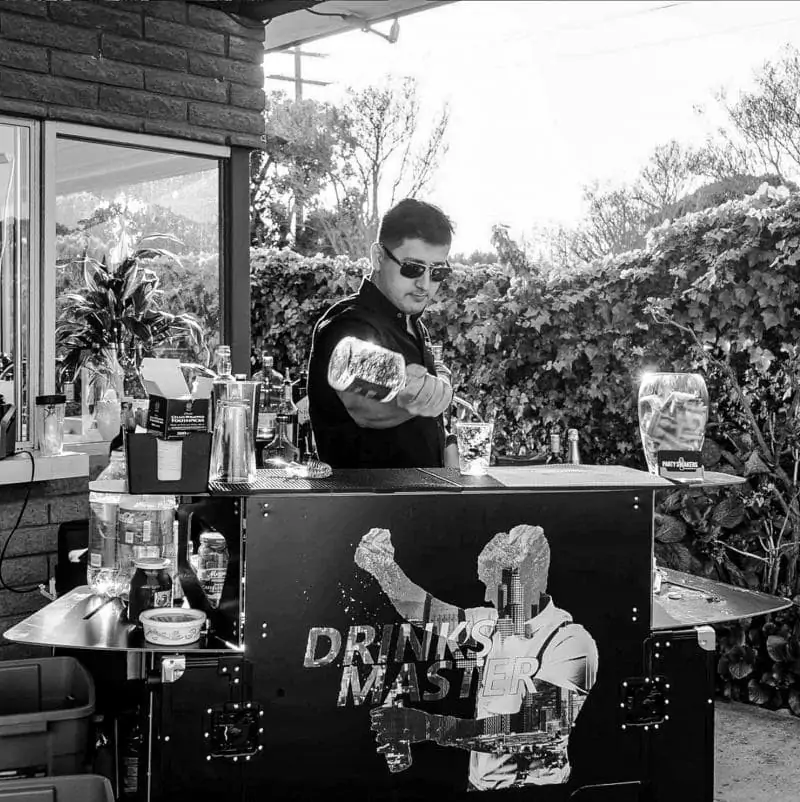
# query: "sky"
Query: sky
547,97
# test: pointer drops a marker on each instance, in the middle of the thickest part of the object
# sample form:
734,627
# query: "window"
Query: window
18,234
105,195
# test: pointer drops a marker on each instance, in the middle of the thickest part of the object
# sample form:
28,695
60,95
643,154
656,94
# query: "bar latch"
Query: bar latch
233,730
644,701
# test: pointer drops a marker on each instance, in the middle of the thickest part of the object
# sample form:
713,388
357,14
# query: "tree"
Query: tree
763,131
341,165
308,148
615,222
393,159
670,172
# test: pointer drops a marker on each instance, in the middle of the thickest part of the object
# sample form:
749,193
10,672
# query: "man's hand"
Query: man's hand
424,395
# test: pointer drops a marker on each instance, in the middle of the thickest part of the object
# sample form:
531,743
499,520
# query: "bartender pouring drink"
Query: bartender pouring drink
409,264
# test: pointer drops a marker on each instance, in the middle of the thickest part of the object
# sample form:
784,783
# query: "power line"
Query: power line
674,39
589,25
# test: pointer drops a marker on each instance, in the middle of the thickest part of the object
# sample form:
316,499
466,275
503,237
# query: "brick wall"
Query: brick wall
156,67
31,555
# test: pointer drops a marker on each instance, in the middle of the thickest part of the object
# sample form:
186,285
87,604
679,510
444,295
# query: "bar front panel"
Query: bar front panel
378,602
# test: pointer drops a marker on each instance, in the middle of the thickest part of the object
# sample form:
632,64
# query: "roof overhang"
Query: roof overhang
293,22
337,16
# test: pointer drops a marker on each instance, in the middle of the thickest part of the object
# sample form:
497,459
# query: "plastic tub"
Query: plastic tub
80,788
172,626
45,708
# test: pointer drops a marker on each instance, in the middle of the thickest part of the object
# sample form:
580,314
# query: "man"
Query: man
409,264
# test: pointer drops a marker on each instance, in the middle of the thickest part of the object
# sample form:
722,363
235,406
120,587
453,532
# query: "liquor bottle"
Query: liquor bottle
271,382
131,760
283,446
224,375
443,372
280,449
554,454
287,409
70,388
573,454
305,436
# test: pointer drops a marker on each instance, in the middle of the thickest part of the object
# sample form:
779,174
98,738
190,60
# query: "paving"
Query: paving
757,754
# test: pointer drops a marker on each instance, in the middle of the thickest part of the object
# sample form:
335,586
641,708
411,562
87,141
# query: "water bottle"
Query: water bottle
102,566
358,366
145,530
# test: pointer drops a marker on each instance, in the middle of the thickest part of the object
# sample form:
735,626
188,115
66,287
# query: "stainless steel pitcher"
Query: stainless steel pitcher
233,455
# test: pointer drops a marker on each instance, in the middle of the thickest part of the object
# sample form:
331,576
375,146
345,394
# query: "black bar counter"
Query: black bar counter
444,615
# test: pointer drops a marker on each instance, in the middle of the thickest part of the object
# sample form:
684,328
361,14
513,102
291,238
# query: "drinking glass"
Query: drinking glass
474,447
673,410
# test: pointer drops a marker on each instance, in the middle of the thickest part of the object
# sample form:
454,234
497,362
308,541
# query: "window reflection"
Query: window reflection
111,198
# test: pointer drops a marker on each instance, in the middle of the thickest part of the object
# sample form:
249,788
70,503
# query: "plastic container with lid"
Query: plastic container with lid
50,411
212,565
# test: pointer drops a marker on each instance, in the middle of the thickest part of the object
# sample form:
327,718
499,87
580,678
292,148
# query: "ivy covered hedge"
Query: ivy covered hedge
715,291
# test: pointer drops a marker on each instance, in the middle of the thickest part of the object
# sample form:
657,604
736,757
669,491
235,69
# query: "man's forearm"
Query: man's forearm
371,414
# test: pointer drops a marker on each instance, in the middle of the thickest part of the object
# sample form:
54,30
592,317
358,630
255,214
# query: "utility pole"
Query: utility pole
298,81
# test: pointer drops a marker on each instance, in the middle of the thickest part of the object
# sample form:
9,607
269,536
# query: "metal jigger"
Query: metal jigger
233,455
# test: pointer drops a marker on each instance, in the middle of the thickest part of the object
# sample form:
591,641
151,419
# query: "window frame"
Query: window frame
47,293
32,168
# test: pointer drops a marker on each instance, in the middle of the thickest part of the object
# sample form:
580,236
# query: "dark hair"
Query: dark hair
413,219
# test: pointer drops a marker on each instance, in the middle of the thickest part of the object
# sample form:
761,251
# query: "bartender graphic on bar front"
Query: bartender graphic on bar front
535,666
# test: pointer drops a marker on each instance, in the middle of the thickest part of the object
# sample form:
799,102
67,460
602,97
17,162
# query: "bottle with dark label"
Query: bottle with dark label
151,587
131,760
554,453
573,453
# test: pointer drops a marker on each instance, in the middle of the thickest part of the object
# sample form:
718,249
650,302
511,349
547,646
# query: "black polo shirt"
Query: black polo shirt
417,443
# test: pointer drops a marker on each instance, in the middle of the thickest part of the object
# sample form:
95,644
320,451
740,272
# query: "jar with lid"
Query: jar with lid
50,424
212,565
151,586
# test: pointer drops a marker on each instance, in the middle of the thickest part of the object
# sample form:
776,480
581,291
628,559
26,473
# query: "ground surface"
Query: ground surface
757,754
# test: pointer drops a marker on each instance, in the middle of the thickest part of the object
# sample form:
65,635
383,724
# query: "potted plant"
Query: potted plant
116,319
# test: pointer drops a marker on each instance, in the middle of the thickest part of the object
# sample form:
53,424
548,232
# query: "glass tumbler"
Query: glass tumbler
673,410
50,411
474,447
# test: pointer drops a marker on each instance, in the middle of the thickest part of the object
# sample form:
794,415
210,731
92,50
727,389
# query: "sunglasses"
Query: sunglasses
412,269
